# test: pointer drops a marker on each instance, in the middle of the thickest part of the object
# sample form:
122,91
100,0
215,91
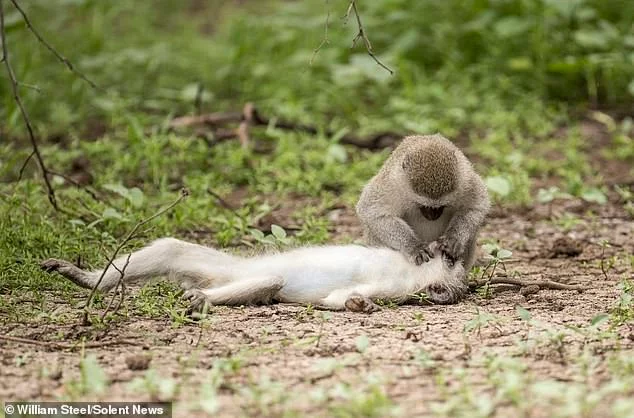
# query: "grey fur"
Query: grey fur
390,204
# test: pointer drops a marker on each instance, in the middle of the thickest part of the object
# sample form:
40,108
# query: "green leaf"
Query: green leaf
499,185
491,249
523,313
93,376
599,319
77,222
520,63
111,213
136,197
594,195
119,189
591,39
362,343
278,232
338,153
512,26
504,254
257,234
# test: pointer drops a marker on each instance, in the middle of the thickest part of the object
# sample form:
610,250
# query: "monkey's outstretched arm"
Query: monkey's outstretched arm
379,214
395,233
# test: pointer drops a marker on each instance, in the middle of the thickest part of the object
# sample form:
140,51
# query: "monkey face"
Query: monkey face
431,213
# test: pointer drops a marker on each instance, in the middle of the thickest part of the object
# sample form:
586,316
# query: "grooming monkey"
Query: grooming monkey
340,277
427,191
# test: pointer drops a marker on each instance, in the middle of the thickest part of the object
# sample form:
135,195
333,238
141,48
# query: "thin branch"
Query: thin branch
30,86
67,346
48,46
24,164
362,35
183,194
377,141
542,284
324,41
220,200
119,283
25,116
74,183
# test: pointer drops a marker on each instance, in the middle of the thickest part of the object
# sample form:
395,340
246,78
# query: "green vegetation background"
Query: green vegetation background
510,78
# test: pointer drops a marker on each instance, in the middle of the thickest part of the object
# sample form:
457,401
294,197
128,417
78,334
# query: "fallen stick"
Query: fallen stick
251,117
66,346
542,284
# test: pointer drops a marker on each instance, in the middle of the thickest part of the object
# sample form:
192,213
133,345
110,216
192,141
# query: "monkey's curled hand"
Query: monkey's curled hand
420,254
451,247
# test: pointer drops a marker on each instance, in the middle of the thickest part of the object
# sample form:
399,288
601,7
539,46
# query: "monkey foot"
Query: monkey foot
53,264
65,268
197,302
359,303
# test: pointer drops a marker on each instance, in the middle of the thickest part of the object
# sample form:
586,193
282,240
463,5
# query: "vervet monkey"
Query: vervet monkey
341,277
427,191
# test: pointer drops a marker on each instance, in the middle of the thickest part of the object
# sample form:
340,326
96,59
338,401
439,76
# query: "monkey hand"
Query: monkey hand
451,247
421,254
198,305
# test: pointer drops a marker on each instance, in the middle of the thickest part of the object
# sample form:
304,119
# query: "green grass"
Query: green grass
491,74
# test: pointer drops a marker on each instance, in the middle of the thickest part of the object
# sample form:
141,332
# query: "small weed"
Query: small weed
92,379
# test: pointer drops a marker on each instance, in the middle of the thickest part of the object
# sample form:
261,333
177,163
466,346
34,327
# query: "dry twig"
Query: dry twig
67,346
15,85
25,115
352,7
183,194
48,46
214,120
542,284
324,41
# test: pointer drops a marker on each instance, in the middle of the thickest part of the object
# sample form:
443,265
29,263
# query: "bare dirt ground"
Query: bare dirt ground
294,361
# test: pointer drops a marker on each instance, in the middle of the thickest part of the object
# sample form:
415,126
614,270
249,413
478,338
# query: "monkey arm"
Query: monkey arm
458,240
379,213
395,233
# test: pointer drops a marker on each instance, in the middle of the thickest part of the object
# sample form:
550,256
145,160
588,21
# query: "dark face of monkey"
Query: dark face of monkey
431,213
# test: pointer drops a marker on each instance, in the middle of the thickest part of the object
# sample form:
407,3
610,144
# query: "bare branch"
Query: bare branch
74,183
67,346
119,283
30,86
373,142
542,284
25,116
24,164
362,35
48,46
183,194
324,41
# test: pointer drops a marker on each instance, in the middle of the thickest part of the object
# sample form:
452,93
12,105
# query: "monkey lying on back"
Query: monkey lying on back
427,191
332,277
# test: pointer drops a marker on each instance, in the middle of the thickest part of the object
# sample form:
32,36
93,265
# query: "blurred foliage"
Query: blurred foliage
508,78
455,61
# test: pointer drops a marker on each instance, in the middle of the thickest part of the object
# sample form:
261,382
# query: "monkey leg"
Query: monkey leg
356,302
253,290
341,299
181,260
